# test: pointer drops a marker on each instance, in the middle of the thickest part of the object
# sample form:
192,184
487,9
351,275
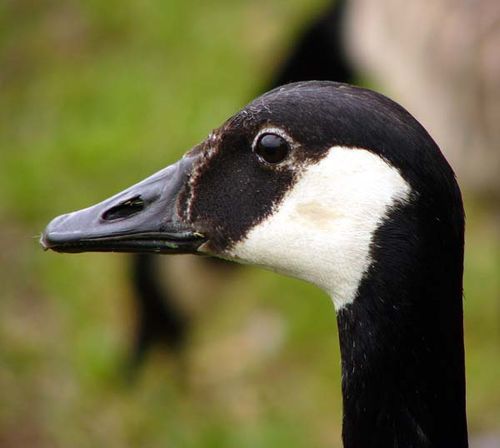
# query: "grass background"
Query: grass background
94,96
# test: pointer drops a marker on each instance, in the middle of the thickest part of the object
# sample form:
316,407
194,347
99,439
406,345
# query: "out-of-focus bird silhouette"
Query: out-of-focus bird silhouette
438,60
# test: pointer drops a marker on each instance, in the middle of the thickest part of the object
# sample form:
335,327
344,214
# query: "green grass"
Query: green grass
93,97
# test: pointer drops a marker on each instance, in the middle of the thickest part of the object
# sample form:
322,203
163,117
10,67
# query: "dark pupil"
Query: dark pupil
272,148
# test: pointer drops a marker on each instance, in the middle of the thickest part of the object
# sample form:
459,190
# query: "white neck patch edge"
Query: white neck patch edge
322,230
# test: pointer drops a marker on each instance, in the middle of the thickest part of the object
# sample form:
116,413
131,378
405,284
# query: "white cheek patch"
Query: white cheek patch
322,229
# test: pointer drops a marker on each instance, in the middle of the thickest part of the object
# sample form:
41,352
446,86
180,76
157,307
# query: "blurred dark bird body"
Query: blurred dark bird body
445,51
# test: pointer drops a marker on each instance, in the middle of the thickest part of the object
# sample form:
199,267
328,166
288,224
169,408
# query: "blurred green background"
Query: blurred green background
94,96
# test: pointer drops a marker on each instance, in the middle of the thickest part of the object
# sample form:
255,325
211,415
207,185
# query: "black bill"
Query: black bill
142,218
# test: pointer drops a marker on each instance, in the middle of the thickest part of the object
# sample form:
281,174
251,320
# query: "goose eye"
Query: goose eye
272,148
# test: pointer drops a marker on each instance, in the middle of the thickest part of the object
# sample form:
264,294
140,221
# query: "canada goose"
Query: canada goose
341,187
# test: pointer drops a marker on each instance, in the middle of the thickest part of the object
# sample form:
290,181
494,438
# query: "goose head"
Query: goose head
343,188
298,182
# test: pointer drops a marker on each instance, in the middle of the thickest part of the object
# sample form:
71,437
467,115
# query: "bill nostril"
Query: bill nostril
126,209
